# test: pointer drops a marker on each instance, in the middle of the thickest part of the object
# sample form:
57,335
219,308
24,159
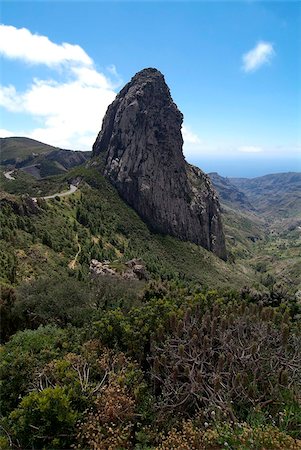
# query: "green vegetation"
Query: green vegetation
25,183
206,354
127,378
106,228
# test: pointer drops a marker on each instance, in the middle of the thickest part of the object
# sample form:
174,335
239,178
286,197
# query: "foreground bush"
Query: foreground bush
44,417
88,397
230,369
237,437
229,359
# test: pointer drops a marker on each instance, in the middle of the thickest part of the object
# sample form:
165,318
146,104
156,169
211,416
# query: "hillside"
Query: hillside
109,229
37,159
252,241
114,345
17,149
229,193
253,238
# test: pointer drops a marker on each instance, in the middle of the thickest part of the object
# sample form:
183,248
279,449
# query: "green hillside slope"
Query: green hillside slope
106,229
37,159
15,149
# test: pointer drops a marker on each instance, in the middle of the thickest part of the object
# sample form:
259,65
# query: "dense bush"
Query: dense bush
209,357
45,417
238,436
66,397
56,299
231,359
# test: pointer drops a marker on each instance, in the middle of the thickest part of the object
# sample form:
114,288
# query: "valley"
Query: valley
263,244
270,207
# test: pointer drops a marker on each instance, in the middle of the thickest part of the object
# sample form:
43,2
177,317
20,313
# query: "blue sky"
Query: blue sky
233,69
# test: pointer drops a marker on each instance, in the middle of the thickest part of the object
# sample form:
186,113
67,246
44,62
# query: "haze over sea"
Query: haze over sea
248,168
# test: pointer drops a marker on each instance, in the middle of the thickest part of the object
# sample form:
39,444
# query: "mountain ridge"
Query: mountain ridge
276,194
38,159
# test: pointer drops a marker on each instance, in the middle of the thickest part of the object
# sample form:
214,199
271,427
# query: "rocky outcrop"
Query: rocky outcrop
141,145
131,270
21,205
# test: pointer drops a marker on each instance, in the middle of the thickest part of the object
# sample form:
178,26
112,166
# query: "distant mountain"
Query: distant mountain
16,149
38,159
262,222
276,194
229,193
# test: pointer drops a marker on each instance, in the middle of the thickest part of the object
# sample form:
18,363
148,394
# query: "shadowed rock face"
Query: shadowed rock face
141,143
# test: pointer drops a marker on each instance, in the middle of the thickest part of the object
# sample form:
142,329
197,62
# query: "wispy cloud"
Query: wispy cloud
250,149
69,107
261,54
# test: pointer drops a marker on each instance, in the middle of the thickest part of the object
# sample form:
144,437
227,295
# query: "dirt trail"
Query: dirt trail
72,263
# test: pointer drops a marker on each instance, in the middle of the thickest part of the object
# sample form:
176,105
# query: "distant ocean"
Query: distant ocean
248,167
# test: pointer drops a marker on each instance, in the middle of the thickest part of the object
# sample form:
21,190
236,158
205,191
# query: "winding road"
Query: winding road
8,175
72,189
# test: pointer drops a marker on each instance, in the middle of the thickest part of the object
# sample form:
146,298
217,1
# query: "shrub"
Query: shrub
108,424
240,436
26,352
231,360
56,299
45,417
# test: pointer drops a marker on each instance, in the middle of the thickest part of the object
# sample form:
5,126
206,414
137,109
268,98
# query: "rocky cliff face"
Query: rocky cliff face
141,144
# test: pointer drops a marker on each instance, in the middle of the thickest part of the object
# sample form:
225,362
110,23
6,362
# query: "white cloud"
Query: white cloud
250,149
68,112
9,99
189,136
20,43
6,133
68,108
261,54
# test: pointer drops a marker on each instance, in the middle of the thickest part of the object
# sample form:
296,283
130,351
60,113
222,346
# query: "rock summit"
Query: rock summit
141,145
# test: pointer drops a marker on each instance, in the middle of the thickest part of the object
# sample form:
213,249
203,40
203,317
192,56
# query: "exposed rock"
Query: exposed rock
21,205
137,266
132,270
141,144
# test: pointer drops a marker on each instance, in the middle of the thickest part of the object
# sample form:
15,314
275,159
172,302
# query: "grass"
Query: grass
19,148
